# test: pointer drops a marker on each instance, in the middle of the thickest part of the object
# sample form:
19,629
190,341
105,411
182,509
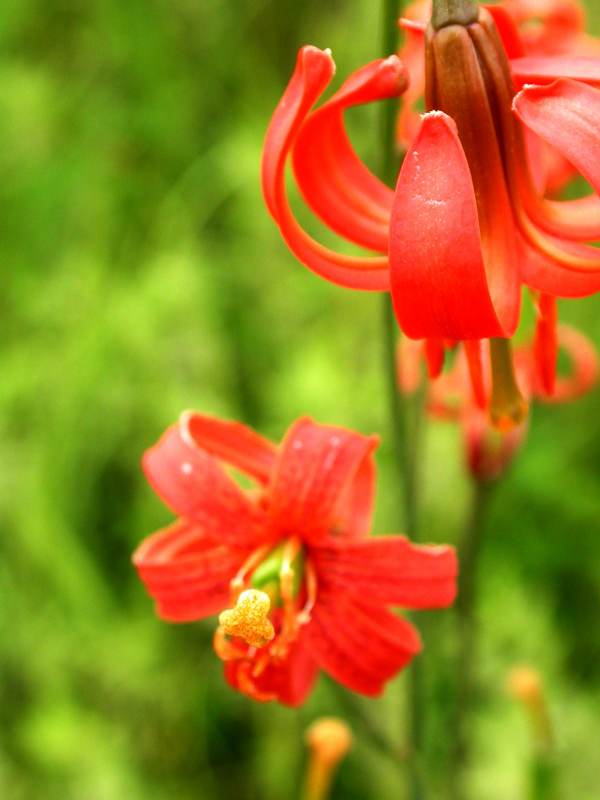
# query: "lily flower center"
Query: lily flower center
272,597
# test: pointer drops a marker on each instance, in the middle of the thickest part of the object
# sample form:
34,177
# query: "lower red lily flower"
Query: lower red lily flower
308,589
489,451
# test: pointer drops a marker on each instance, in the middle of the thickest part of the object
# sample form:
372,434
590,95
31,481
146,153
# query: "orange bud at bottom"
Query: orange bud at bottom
329,739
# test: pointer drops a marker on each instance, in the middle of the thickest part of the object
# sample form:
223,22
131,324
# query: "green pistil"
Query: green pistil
507,407
453,12
266,576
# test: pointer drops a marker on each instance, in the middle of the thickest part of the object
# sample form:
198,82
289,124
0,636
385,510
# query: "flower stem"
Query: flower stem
469,554
404,411
376,735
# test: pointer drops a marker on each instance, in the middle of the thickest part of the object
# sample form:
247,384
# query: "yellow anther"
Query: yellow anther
524,683
249,619
328,739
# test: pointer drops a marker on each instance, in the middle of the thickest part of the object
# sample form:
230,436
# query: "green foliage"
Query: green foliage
141,277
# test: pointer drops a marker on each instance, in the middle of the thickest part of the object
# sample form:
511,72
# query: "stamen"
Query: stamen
249,619
255,558
508,407
225,649
287,573
303,617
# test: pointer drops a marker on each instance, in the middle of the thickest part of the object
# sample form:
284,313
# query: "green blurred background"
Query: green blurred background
142,276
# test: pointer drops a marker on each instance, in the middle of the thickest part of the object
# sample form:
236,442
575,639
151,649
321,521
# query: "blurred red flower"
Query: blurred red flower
468,224
297,539
489,451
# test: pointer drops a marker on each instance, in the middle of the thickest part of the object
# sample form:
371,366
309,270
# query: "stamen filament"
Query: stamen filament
255,558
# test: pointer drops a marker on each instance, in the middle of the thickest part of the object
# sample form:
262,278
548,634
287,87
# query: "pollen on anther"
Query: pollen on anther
249,619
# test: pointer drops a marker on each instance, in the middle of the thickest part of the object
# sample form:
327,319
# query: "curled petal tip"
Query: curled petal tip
312,56
412,25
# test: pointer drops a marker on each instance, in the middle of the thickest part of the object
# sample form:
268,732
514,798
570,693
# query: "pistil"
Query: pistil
508,408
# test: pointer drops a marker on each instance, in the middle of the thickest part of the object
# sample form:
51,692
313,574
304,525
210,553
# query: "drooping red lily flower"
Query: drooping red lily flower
309,589
467,225
489,451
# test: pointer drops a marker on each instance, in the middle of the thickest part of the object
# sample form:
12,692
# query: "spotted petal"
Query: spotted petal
323,481
196,487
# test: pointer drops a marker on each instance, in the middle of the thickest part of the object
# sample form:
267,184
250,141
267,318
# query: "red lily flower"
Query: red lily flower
298,543
466,226
489,451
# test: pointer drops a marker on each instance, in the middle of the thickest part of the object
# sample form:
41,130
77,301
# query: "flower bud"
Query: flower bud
329,739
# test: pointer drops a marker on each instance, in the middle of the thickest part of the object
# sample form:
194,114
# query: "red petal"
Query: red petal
360,645
334,182
544,274
195,486
434,356
233,443
439,281
565,114
389,570
186,572
509,33
289,681
549,170
474,356
545,69
323,480
412,54
545,345
585,366
314,70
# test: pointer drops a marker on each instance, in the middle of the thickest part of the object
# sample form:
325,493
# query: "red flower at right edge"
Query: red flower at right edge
309,589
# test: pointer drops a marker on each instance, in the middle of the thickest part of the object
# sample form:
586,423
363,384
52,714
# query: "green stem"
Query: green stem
378,738
469,552
404,412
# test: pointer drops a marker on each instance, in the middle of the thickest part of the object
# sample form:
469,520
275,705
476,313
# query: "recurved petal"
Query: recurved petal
196,487
335,183
186,572
323,481
439,282
389,570
360,645
509,33
288,681
545,344
314,70
412,54
545,69
565,114
585,366
547,274
232,442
